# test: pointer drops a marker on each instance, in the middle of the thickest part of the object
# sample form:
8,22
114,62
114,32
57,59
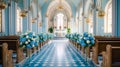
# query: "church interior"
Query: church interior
59,33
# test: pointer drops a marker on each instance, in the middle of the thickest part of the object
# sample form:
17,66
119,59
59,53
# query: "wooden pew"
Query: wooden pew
13,44
111,57
6,56
100,45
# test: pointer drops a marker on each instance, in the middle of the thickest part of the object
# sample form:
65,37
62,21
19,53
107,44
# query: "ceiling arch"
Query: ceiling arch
53,8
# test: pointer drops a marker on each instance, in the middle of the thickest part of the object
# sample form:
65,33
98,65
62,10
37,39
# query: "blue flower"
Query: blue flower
32,42
30,34
36,44
82,41
28,46
92,42
86,38
23,39
91,38
83,44
34,36
85,34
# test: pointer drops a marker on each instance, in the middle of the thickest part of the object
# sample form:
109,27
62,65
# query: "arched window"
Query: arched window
19,21
60,19
108,18
0,20
90,26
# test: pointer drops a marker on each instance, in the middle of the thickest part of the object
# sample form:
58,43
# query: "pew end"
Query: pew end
6,58
100,46
111,57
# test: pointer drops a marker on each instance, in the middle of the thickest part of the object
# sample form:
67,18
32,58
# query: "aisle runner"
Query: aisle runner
60,53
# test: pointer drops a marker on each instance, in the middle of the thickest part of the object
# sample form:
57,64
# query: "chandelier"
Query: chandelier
33,20
101,13
40,24
3,5
23,13
88,20
60,6
25,10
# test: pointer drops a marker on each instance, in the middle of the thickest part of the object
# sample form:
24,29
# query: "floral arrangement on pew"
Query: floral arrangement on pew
45,37
42,37
87,40
50,36
74,38
29,40
68,36
77,37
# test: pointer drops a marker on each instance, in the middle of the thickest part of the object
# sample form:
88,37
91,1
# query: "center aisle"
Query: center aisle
58,53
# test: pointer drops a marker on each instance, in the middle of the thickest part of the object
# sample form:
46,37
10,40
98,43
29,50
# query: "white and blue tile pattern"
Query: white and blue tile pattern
59,53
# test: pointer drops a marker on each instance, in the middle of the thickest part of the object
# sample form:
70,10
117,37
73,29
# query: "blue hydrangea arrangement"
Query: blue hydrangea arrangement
42,37
87,40
68,36
76,37
50,36
29,40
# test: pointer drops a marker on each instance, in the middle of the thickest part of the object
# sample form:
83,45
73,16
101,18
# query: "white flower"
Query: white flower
88,42
33,39
26,33
33,45
27,36
84,38
26,42
89,35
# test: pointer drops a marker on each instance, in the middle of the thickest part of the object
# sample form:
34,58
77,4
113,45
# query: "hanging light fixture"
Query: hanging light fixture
60,6
88,20
23,13
3,5
101,12
40,24
33,20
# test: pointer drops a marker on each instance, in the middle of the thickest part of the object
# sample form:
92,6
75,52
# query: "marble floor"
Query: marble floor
58,53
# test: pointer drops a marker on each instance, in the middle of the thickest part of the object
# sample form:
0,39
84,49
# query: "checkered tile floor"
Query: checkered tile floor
59,53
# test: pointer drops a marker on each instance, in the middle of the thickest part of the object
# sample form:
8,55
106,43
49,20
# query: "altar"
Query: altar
60,33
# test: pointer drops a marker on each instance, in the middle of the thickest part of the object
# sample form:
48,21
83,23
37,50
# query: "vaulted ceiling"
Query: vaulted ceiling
72,3
44,4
